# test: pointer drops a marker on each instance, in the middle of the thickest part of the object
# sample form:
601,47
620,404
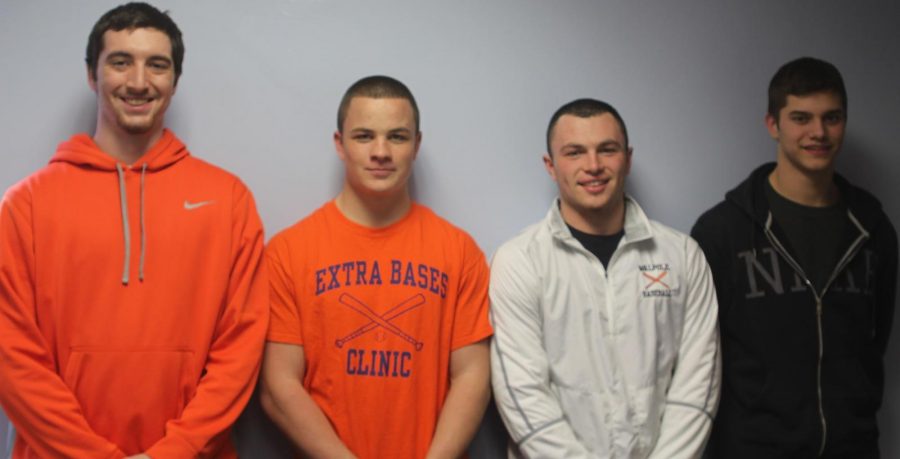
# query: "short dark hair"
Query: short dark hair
135,15
585,108
376,87
801,77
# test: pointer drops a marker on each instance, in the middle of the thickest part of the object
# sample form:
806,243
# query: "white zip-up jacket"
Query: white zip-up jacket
620,362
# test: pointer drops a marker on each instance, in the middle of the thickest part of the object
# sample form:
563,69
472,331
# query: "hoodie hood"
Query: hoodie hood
80,150
750,197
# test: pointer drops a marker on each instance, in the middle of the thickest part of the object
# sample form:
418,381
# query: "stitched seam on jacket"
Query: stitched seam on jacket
508,387
690,405
539,430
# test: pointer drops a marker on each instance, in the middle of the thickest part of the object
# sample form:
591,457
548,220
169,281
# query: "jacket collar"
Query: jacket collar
637,225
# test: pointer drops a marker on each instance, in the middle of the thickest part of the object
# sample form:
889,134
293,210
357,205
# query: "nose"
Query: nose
818,129
593,164
381,151
137,79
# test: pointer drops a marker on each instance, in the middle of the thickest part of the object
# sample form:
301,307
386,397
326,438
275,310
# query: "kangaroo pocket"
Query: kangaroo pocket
852,399
128,396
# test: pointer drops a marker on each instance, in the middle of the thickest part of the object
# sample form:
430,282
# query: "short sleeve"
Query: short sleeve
471,322
284,324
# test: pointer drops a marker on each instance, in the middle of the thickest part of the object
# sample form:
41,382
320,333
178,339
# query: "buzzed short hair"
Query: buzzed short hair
801,77
376,87
585,108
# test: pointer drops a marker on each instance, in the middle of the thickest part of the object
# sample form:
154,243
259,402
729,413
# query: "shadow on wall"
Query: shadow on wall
858,164
490,440
7,432
257,436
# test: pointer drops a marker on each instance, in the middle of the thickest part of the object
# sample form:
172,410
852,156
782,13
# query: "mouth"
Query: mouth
594,185
139,103
818,149
380,172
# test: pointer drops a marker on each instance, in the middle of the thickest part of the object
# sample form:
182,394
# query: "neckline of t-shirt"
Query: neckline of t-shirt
578,234
367,231
807,211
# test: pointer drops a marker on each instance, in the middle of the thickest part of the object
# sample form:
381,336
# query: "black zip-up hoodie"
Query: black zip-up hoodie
803,371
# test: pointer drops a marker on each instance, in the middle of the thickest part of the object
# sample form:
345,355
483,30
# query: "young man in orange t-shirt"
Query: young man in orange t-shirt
378,345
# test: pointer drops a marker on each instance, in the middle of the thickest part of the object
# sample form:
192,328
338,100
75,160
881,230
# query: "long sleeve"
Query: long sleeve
693,392
708,235
519,367
234,358
43,409
886,286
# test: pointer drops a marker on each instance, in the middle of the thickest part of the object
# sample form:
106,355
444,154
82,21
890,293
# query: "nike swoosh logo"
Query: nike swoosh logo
193,205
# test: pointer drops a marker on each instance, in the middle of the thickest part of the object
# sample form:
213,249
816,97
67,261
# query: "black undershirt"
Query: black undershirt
601,246
816,234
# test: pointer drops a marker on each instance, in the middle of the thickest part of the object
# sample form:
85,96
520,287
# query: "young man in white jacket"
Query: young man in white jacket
606,343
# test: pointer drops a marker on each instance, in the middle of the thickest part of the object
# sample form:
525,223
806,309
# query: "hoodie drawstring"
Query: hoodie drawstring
123,197
143,233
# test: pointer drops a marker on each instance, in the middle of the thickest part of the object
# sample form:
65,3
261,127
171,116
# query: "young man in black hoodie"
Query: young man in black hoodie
805,267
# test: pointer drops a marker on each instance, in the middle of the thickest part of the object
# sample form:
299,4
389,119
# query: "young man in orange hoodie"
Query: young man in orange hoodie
378,342
133,300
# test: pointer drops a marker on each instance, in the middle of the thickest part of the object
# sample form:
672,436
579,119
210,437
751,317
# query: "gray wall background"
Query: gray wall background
262,81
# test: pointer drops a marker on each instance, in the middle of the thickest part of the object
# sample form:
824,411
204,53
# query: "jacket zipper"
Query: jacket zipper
612,323
609,299
844,261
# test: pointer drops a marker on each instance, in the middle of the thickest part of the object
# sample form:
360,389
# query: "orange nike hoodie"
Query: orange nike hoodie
133,305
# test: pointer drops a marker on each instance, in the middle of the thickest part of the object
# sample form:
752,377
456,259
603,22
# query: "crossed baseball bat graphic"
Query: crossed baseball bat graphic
383,321
656,280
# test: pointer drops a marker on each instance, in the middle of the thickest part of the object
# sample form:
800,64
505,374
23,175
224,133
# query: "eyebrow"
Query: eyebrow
392,131
611,143
116,54
809,113
605,143
125,54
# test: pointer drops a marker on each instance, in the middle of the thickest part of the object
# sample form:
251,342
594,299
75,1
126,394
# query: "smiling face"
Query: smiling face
589,163
809,131
378,144
135,82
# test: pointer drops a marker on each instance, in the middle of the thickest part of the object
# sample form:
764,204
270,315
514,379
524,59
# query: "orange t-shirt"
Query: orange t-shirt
378,312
